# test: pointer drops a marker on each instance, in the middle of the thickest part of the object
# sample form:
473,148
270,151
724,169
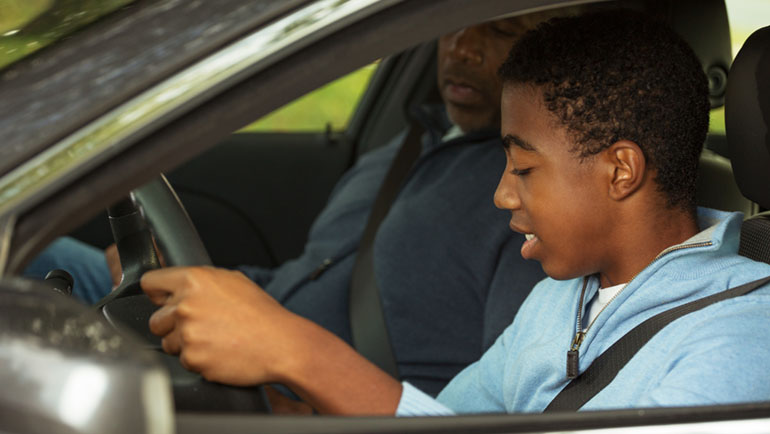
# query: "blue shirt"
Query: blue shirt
717,355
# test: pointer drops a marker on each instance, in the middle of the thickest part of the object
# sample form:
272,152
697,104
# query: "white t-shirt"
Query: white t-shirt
599,301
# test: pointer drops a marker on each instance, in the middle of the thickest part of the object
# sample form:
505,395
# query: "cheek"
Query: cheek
442,53
575,207
555,204
499,53
572,230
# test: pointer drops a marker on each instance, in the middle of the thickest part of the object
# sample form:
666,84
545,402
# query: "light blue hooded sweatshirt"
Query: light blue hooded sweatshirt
717,355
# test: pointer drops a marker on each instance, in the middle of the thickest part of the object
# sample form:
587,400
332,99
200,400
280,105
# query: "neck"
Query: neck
639,241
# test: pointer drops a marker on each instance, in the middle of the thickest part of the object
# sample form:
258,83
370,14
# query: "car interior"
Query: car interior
251,203
224,190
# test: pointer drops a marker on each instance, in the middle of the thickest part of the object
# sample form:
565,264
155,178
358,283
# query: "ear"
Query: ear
627,166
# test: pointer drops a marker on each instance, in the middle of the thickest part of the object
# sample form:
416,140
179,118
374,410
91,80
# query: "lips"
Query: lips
527,249
530,243
460,92
460,84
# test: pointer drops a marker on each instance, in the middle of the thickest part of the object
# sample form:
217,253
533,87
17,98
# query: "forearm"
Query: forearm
333,378
230,331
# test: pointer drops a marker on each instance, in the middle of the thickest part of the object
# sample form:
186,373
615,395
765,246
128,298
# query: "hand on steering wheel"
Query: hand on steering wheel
151,209
155,209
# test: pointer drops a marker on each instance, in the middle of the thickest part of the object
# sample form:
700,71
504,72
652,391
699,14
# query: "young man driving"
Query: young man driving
604,117
448,269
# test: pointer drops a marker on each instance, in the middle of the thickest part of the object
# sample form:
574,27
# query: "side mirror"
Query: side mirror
64,369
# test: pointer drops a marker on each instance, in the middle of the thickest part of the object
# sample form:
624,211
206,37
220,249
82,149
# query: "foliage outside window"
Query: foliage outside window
332,104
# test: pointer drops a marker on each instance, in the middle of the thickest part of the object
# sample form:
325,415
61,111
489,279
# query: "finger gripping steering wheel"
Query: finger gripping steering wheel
155,210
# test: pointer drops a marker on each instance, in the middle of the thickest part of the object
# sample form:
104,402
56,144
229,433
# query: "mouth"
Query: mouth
531,241
460,91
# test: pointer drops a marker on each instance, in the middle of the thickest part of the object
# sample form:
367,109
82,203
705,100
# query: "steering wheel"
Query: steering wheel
155,209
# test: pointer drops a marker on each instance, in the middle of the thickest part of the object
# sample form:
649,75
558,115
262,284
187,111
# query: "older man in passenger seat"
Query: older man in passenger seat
448,267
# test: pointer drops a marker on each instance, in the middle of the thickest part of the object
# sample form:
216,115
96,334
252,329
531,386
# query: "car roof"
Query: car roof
78,79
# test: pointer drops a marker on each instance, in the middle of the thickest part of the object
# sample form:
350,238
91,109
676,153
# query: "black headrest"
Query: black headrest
704,25
747,117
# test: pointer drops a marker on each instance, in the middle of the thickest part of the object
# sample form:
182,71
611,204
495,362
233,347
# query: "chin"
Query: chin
468,119
557,273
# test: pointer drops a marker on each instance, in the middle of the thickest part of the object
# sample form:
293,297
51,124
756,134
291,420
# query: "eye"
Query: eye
505,29
507,33
520,172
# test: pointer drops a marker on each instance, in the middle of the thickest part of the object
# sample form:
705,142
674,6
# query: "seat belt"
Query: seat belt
606,367
367,318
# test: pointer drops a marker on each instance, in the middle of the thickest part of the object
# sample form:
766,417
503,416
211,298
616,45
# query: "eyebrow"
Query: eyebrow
512,139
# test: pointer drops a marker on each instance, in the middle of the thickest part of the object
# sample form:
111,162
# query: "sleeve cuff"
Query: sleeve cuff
416,403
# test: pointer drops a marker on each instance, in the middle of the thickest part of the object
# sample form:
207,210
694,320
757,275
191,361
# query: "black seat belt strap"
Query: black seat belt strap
604,369
367,318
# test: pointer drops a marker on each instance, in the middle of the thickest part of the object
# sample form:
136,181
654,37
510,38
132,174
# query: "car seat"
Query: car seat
747,121
716,186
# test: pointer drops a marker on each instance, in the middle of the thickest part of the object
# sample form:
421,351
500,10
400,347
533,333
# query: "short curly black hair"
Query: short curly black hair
620,74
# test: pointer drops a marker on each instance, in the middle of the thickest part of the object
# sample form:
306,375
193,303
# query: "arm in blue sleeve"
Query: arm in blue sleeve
479,387
414,402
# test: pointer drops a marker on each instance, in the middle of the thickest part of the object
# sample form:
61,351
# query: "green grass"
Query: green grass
717,121
332,104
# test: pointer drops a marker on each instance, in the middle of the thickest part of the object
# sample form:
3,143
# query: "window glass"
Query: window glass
745,17
332,104
29,25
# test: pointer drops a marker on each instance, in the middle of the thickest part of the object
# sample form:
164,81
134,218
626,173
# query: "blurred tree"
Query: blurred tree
14,14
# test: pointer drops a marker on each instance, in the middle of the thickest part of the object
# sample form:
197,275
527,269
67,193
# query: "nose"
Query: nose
467,45
506,195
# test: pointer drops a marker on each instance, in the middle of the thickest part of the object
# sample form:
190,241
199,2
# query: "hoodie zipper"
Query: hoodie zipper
573,354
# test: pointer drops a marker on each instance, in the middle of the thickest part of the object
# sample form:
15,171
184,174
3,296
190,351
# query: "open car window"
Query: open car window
329,108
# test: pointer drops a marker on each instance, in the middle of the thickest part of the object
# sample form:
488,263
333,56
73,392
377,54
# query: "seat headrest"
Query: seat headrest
708,32
747,117
703,24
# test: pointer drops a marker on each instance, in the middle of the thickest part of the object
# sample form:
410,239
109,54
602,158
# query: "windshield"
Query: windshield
29,25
